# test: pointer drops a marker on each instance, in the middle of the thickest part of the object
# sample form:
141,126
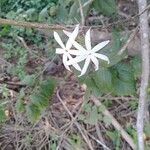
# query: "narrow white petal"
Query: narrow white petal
58,39
88,40
100,46
85,67
75,52
60,51
75,44
101,56
75,65
77,59
72,37
67,33
65,57
95,62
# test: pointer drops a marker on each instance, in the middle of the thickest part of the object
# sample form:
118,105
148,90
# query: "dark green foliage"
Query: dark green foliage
118,80
33,112
29,80
20,106
40,99
137,66
119,77
123,79
106,7
2,115
103,79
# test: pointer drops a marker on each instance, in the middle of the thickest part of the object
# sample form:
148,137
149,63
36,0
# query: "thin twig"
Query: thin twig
5,62
77,125
88,3
61,27
81,13
99,134
128,41
144,30
99,142
69,125
115,123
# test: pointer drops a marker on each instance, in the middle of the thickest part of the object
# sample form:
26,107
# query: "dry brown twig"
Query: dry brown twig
61,27
115,123
144,30
83,132
128,41
85,137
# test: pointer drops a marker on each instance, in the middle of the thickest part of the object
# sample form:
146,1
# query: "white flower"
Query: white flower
88,54
66,50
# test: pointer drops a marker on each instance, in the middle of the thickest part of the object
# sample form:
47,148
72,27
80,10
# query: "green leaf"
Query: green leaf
39,101
125,72
123,79
43,15
47,88
93,116
112,52
2,115
74,13
106,7
29,80
122,88
33,112
107,120
103,80
20,106
136,63
62,14
30,11
92,87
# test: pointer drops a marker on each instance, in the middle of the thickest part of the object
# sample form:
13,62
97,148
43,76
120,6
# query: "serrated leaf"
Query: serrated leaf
125,72
123,79
33,112
40,99
103,79
93,116
122,88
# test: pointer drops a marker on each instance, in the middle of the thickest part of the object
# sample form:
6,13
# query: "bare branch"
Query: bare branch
32,24
144,30
128,41
115,123
81,12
